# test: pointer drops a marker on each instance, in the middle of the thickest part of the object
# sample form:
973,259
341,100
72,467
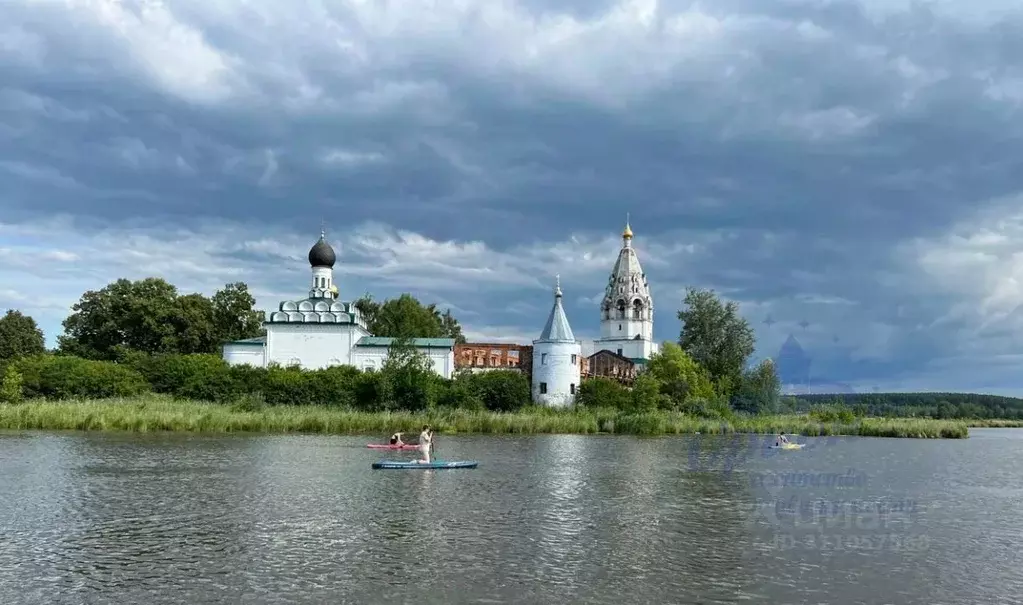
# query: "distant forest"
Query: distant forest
932,405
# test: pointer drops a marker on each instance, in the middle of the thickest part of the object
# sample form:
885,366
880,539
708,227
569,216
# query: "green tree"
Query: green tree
11,385
234,313
646,393
462,392
149,316
716,337
20,336
406,317
193,330
759,390
410,375
450,327
678,376
601,392
501,390
138,315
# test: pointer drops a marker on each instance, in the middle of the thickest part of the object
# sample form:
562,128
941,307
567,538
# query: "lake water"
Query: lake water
127,518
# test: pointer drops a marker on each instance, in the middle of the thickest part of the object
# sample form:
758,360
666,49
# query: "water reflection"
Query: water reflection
175,518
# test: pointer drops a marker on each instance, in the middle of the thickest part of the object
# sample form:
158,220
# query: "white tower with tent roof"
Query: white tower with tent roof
556,359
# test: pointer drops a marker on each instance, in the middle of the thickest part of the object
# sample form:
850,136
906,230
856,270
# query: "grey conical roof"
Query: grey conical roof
557,328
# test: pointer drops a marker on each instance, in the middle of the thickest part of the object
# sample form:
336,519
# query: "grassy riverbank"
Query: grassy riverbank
155,413
994,423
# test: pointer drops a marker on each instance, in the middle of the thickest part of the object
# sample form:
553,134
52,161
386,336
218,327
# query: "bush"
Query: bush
460,393
11,386
406,382
499,390
286,386
334,386
603,392
372,391
646,394
832,413
202,377
60,377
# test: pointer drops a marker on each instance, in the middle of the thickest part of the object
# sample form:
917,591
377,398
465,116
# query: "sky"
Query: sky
849,172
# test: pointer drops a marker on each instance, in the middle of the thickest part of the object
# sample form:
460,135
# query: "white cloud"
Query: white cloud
500,334
480,111
979,261
24,47
351,158
371,257
175,55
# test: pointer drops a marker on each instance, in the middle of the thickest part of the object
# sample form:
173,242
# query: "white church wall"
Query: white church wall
311,346
373,357
625,328
253,355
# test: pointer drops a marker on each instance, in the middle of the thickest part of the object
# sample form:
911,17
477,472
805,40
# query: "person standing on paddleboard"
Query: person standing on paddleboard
425,443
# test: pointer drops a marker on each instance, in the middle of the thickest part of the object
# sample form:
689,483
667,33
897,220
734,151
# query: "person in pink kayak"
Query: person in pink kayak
425,444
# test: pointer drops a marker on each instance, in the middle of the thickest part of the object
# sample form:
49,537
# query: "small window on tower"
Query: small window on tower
543,388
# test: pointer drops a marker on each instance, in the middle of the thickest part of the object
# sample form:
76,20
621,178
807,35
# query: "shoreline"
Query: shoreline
162,414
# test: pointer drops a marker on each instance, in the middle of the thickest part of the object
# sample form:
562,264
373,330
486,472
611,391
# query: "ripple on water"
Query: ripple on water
161,519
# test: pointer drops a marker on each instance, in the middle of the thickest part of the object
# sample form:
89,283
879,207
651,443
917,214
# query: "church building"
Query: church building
321,331
627,310
626,340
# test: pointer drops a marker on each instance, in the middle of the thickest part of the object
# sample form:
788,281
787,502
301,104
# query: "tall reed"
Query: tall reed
157,413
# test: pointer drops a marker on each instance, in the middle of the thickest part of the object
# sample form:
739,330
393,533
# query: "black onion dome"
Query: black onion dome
321,254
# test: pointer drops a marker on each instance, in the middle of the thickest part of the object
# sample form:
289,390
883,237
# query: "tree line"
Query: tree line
926,405
151,316
132,337
127,322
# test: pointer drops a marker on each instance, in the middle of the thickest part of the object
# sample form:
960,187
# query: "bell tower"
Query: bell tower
627,310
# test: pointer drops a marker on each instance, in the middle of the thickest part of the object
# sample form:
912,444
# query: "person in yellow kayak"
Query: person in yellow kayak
781,440
425,444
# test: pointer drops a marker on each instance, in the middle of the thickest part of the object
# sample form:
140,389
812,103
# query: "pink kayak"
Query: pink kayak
388,446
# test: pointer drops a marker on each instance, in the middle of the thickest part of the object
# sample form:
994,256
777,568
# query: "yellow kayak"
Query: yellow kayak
788,446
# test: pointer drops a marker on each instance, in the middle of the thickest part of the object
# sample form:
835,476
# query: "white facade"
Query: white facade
556,359
627,310
251,351
321,331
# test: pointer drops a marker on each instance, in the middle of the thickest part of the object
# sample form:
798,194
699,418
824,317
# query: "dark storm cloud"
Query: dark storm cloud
800,144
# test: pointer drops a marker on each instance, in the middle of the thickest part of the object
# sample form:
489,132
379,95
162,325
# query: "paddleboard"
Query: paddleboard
787,446
388,446
437,464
